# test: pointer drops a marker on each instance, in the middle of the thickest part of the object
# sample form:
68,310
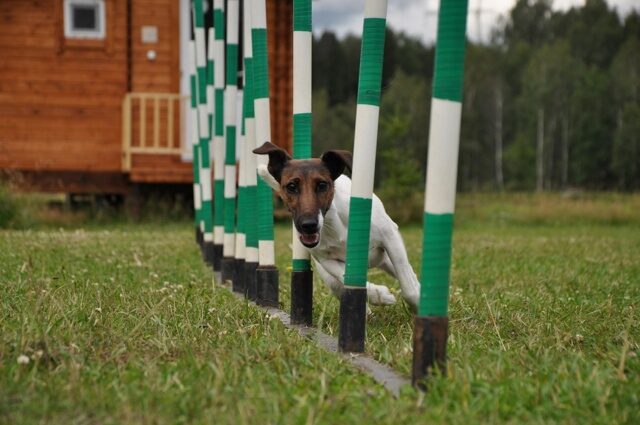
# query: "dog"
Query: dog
317,194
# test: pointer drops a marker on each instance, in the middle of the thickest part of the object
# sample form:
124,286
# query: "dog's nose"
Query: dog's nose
309,225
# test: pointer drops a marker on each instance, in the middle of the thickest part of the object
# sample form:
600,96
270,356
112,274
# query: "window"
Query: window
84,19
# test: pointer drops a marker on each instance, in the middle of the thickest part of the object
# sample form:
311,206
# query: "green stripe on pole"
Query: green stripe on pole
210,81
230,154
265,213
199,16
251,225
194,88
302,15
202,85
436,264
218,24
218,204
302,135
358,242
449,69
204,153
219,99
371,61
301,265
232,64
248,87
207,217
260,63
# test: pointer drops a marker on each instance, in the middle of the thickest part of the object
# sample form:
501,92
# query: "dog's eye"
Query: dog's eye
291,187
322,187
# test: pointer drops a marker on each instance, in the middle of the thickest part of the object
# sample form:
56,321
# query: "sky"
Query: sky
419,17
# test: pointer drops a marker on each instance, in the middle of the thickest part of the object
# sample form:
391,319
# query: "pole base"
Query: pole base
217,257
208,253
238,284
353,318
198,236
302,297
267,278
228,269
251,283
429,348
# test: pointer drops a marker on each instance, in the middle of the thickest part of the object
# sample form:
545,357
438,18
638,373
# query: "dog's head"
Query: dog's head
305,186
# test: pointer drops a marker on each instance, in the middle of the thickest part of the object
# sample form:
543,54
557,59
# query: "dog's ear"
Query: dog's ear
278,158
336,161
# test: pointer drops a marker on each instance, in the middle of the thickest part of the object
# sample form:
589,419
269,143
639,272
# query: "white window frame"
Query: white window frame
70,32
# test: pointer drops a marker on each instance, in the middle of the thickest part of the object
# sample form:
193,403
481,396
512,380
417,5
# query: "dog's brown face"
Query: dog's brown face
306,186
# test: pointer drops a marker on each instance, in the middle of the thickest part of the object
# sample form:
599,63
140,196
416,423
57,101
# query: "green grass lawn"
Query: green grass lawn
121,323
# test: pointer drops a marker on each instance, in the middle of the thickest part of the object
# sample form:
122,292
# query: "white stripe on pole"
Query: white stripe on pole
364,150
250,137
233,28
259,14
230,100
444,134
230,176
263,127
205,183
266,251
375,9
302,41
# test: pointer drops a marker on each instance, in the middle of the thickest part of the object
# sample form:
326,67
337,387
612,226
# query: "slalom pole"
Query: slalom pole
218,136
210,113
251,218
193,119
301,274
230,95
266,274
240,245
239,282
431,324
353,301
203,132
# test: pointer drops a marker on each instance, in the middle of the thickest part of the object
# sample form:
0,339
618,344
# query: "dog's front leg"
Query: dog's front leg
330,279
409,284
332,273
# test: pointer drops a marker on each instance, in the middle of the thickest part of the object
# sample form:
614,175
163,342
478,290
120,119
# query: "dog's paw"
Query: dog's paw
379,295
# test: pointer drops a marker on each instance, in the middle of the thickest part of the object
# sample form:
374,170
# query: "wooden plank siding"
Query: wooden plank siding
279,24
61,99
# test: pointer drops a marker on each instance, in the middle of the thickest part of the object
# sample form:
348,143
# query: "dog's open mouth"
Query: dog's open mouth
310,239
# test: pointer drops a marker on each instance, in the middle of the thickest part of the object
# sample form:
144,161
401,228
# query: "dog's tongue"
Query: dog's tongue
309,239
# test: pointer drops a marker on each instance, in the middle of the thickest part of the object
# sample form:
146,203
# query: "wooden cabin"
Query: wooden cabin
94,94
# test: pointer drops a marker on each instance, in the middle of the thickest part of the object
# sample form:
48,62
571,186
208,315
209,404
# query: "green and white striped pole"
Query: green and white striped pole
301,275
203,132
240,254
353,301
230,95
193,117
431,324
218,135
251,218
267,273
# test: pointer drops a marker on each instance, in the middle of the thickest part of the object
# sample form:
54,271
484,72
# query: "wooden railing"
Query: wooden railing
153,123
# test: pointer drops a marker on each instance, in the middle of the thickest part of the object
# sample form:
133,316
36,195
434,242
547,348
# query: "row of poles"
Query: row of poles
236,232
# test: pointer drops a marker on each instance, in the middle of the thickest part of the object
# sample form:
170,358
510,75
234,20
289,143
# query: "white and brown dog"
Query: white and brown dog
317,194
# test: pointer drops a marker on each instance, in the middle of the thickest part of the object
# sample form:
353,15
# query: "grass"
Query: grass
121,323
